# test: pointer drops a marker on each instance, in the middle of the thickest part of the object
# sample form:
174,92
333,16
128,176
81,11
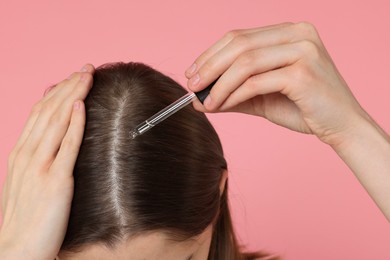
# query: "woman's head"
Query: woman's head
163,190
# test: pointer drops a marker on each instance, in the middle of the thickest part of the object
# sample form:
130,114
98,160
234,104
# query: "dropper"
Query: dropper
170,110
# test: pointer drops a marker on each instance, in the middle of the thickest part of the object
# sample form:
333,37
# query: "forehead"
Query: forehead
149,246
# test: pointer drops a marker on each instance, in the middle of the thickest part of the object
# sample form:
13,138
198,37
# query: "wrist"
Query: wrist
13,251
363,131
13,247
365,149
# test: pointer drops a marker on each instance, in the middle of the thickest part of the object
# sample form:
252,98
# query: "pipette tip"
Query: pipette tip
133,134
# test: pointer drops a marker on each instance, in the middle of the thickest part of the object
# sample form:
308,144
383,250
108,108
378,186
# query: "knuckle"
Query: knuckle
306,24
69,143
307,29
233,34
210,65
300,73
36,108
48,89
309,49
70,146
241,41
58,121
48,107
252,81
246,59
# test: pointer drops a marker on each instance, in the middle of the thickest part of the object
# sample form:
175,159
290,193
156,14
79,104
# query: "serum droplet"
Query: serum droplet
133,134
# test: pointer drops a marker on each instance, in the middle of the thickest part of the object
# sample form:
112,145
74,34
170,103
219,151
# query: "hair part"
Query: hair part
164,180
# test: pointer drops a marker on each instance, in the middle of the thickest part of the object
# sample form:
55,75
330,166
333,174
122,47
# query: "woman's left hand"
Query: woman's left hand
38,191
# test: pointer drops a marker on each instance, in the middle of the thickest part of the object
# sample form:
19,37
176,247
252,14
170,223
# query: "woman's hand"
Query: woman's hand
38,191
284,73
281,72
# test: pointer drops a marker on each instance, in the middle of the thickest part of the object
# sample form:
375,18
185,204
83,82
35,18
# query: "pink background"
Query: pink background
290,193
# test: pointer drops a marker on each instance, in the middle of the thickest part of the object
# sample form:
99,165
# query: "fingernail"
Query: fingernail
207,101
84,68
191,69
195,80
76,105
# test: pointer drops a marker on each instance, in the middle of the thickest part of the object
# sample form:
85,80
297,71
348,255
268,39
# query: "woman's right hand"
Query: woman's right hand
38,191
281,72
284,73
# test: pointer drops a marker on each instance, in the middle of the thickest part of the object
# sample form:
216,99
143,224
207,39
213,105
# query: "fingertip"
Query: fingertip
194,81
208,102
187,75
88,68
198,106
191,87
91,68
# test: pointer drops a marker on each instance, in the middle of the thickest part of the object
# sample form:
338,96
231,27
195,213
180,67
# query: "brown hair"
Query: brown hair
166,179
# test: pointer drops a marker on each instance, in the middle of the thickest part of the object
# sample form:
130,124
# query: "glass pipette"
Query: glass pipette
170,110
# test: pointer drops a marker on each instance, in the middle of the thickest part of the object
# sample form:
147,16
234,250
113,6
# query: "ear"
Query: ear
223,182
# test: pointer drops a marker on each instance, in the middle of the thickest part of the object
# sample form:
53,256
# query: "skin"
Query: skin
281,72
139,248
284,74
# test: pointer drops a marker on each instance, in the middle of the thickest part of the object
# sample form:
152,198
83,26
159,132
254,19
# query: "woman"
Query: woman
159,196
270,72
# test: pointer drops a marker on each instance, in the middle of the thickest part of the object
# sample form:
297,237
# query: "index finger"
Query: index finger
219,45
